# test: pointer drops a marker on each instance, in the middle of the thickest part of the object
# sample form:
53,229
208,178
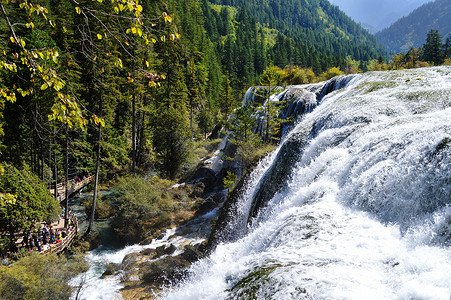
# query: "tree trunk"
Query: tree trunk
134,133
141,137
42,162
96,179
134,118
50,164
55,173
66,211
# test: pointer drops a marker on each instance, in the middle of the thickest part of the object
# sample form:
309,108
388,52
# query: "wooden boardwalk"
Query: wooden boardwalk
72,187
59,247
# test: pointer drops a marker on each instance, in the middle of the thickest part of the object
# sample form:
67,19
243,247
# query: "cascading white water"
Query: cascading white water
365,209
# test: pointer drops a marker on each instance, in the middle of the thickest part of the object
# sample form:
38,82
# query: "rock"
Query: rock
111,268
207,176
166,270
147,241
129,260
205,207
170,250
215,132
149,252
197,190
158,235
160,251
191,254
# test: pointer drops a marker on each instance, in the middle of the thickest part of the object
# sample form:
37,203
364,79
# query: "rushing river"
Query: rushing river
355,203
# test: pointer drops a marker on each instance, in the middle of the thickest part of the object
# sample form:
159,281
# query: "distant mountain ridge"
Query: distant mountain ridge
411,31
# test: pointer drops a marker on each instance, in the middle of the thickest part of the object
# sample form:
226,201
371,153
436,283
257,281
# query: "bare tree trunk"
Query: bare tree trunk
96,179
43,162
141,137
134,122
55,173
50,163
134,133
66,211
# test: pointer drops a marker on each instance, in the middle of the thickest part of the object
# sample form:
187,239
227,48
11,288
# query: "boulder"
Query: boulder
149,252
208,177
215,132
160,251
191,254
205,207
166,270
170,250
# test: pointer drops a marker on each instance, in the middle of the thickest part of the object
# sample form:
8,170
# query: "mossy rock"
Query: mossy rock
129,261
111,269
166,270
94,239
82,244
192,253
255,285
149,252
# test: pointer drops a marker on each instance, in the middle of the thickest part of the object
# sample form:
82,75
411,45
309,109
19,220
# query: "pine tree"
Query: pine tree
171,139
432,49
447,47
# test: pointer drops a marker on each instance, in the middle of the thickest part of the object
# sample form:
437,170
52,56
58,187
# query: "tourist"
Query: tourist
59,238
38,243
52,234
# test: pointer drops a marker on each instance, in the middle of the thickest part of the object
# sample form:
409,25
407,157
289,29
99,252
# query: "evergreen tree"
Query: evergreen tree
432,49
171,139
447,47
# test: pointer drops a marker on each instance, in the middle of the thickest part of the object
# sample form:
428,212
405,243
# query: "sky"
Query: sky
377,13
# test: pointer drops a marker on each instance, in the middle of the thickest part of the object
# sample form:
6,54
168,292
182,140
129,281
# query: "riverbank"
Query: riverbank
142,269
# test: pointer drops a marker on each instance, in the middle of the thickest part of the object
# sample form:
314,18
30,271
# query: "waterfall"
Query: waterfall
354,204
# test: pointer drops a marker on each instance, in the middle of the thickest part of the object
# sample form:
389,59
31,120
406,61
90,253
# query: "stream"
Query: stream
93,286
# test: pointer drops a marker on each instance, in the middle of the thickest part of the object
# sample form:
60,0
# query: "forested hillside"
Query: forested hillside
411,31
316,30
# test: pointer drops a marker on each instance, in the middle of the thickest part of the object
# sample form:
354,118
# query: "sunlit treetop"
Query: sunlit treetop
41,62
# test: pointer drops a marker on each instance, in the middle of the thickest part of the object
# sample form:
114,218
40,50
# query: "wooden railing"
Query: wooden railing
72,187
59,247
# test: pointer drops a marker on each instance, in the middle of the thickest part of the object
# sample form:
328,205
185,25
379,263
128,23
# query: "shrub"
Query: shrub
40,277
142,205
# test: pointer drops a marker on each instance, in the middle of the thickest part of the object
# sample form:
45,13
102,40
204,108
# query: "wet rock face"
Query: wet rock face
301,100
215,133
204,181
279,173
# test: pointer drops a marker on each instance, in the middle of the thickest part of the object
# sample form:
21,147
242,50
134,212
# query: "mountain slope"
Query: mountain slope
411,31
317,23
